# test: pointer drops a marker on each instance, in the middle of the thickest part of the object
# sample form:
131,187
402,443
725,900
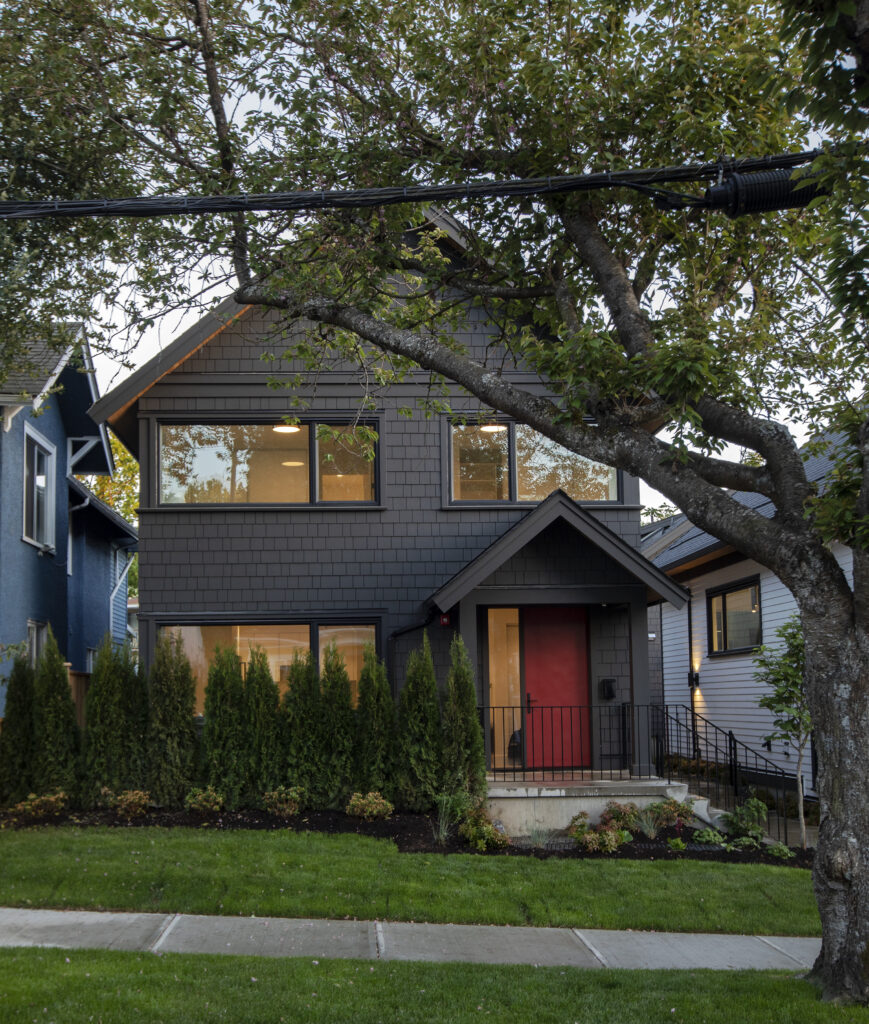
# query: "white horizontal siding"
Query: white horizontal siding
729,693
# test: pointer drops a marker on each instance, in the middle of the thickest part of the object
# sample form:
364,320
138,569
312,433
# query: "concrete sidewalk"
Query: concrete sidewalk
384,940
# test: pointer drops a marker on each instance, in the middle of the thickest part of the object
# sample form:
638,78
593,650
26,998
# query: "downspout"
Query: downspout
692,689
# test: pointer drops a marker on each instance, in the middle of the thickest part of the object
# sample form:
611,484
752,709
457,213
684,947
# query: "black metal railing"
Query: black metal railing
620,741
716,765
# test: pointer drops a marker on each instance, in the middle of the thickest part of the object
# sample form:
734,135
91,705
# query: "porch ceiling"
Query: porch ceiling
558,506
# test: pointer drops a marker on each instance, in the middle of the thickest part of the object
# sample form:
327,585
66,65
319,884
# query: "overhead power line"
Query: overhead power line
738,190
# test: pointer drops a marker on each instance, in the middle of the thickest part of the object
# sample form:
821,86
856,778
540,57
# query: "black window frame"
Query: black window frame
512,469
311,422
722,591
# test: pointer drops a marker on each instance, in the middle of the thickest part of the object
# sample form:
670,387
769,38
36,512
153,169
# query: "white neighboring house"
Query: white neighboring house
735,606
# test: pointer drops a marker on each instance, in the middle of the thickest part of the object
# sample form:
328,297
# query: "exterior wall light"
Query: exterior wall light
694,680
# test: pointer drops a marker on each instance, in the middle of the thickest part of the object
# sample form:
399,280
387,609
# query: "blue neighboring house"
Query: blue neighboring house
64,554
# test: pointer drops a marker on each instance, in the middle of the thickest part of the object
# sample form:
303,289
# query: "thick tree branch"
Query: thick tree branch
240,247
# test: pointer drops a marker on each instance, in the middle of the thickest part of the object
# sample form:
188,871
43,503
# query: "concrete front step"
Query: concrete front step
524,808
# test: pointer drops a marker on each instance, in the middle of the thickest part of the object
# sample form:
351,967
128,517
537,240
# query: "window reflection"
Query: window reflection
481,463
544,466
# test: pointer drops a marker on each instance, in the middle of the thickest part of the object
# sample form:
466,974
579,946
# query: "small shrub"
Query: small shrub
49,805
780,851
578,826
107,799
451,808
132,803
285,801
742,843
709,837
748,819
646,821
604,839
479,832
369,806
204,801
672,812
618,815
677,845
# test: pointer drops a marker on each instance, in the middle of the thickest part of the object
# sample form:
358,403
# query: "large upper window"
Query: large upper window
281,643
512,462
734,617
38,489
275,463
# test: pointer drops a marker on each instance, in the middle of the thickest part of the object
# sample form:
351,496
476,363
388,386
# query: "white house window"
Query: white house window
511,462
37,633
733,614
38,489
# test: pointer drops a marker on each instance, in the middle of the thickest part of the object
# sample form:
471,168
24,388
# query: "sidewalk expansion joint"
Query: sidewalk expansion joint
164,933
783,952
380,940
594,952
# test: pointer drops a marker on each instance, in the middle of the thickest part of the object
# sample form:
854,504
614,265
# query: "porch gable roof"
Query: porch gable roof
557,506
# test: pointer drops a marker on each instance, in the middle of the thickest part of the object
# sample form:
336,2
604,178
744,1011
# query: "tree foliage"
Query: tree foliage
420,748
225,737
17,739
56,739
374,750
464,768
781,671
171,741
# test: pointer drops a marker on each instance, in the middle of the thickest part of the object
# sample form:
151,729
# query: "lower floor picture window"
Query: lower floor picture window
281,644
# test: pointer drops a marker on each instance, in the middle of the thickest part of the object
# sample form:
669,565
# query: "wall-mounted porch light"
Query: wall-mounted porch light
694,680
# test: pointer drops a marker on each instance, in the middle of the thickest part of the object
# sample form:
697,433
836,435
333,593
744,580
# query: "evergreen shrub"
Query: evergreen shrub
226,747
301,725
17,740
261,737
464,766
374,753
419,731
55,730
171,739
105,744
336,732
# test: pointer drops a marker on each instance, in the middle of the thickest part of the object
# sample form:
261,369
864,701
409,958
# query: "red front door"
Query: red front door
555,664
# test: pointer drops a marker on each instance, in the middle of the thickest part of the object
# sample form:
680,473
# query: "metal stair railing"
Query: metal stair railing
720,767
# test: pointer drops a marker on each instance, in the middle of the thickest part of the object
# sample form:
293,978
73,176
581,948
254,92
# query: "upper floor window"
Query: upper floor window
733,613
273,463
512,462
39,457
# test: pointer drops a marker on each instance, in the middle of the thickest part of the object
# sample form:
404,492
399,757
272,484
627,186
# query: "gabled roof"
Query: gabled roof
679,542
558,506
29,385
116,407
115,524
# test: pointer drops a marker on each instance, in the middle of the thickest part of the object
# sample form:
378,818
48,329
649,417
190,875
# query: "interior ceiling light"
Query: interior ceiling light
493,428
292,463
286,428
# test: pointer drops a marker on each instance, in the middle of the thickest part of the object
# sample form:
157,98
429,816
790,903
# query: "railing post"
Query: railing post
734,763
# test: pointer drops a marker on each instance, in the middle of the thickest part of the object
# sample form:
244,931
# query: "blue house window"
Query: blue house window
38,489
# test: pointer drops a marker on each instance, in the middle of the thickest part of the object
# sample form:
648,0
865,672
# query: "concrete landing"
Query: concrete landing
405,941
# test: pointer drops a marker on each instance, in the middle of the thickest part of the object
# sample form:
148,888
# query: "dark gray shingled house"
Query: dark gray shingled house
257,531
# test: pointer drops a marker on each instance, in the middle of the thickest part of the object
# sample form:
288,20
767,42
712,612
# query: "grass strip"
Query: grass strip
302,874
78,986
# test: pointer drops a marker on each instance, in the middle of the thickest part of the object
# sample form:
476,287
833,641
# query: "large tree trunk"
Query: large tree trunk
837,679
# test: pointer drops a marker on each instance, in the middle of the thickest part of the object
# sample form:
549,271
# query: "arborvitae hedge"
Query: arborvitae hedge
171,744
17,741
464,768
134,707
226,746
374,754
419,728
261,710
55,728
301,718
105,754
336,732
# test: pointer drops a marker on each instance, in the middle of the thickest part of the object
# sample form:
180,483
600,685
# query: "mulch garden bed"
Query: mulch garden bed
413,833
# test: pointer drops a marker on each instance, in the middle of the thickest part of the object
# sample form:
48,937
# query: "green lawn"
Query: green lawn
303,874
76,987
